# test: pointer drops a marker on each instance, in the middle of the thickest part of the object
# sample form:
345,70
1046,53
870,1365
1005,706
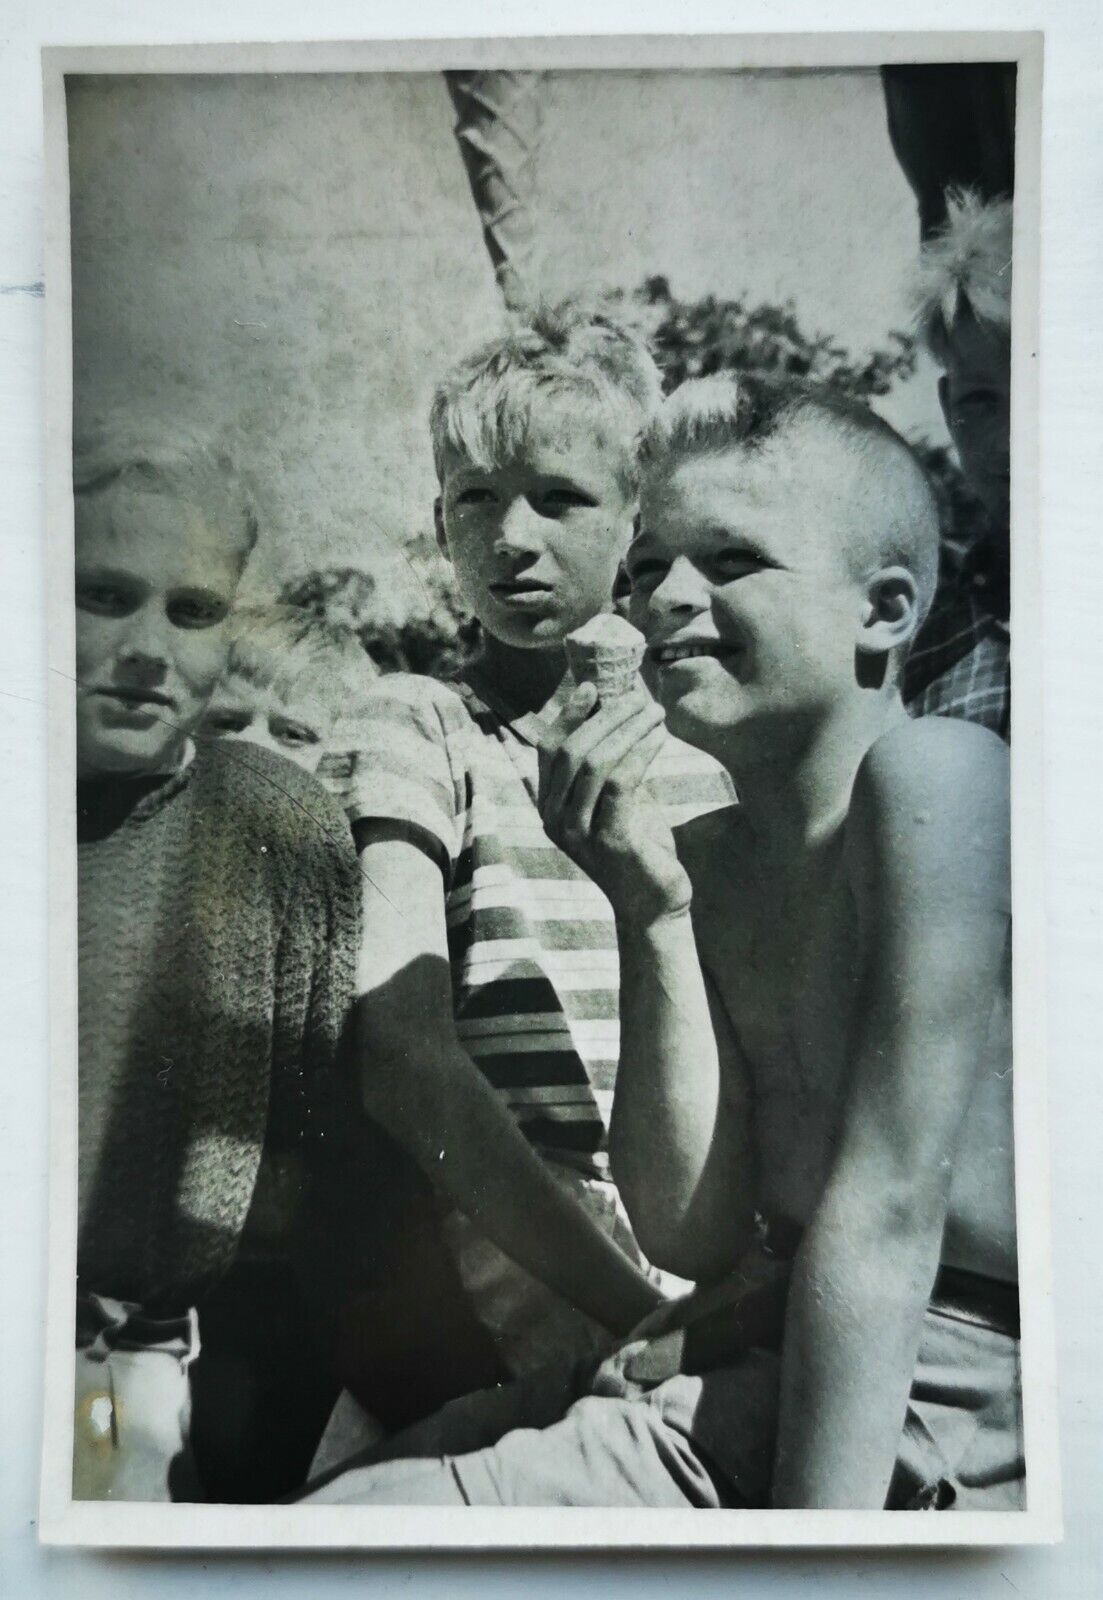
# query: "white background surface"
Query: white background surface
1072,414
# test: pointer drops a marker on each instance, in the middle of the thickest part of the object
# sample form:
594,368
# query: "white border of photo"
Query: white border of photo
65,1522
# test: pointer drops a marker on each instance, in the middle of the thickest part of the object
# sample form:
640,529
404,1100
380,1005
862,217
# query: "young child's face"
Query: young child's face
741,586
154,585
297,725
975,391
535,541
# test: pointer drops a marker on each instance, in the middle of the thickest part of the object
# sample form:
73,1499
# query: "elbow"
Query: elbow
891,1240
699,1252
669,1253
911,1209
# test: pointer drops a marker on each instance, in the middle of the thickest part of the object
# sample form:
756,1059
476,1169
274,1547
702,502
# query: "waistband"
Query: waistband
972,1297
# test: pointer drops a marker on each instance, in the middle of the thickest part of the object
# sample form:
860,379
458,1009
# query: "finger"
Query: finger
625,777
561,758
633,746
659,1359
579,706
636,763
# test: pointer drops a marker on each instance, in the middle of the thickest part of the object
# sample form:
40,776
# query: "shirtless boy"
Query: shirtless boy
847,928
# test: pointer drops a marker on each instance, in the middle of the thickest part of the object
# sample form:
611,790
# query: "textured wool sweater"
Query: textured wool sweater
218,915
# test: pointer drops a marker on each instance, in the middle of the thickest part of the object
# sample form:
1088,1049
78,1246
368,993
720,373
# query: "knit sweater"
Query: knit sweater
218,917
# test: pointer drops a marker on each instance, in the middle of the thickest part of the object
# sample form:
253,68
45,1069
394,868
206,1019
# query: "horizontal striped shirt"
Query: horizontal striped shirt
531,939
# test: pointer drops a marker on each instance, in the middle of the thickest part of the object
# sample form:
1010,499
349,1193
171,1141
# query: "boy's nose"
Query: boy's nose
519,531
143,648
683,588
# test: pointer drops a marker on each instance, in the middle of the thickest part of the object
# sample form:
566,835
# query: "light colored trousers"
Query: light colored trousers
534,1329
699,1441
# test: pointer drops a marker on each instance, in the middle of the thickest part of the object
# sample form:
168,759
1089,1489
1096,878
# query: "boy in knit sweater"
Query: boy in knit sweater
217,910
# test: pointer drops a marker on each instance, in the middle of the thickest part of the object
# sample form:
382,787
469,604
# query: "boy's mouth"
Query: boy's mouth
675,650
524,593
139,699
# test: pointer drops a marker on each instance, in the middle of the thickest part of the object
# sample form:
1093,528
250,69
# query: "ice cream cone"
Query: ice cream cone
606,651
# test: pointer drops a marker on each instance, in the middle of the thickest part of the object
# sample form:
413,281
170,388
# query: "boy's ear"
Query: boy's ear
438,524
890,611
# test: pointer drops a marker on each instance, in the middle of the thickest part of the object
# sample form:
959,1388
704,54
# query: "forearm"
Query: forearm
856,1303
467,1142
680,1161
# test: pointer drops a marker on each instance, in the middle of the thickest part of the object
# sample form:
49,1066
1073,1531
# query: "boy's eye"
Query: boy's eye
565,498
475,495
195,611
731,564
647,574
105,599
973,401
293,734
226,721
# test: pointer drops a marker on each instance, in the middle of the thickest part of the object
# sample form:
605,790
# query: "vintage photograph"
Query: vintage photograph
539,550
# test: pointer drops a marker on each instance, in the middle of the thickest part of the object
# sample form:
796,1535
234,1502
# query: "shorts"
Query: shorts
704,1442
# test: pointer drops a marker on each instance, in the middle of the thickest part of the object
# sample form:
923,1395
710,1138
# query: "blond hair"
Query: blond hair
965,269
122,447
896,521
293,652
482,407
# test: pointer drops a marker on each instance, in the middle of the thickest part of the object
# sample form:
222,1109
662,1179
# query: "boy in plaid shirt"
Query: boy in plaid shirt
960,664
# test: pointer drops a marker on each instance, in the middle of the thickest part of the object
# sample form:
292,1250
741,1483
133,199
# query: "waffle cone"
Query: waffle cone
606,652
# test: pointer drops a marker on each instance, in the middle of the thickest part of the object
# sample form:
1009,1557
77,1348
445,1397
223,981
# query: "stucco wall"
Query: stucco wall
303,253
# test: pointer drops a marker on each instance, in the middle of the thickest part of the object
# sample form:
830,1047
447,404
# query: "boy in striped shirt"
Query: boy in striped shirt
488,1028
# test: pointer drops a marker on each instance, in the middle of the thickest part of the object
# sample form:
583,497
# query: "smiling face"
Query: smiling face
535,540
154,585
296,725
742,585
975,391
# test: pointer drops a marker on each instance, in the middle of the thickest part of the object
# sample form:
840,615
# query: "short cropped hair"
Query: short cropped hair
294,652
122,448
965,269
896,514
482,407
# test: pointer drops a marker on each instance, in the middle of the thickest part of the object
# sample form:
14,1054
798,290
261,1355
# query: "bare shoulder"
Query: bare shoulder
935,756
931,802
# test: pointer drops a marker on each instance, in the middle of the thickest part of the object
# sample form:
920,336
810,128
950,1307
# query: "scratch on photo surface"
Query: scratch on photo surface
37,289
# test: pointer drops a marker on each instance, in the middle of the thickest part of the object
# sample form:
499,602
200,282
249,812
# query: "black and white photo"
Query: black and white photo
539,532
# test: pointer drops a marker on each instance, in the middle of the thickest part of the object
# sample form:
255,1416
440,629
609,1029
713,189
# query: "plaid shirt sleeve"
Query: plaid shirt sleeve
960,665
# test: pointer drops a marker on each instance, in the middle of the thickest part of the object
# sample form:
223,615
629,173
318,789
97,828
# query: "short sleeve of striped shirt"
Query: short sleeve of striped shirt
687,783
407,760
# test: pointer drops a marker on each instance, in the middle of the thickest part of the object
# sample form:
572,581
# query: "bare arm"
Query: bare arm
928,850
679,1139
421,1084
